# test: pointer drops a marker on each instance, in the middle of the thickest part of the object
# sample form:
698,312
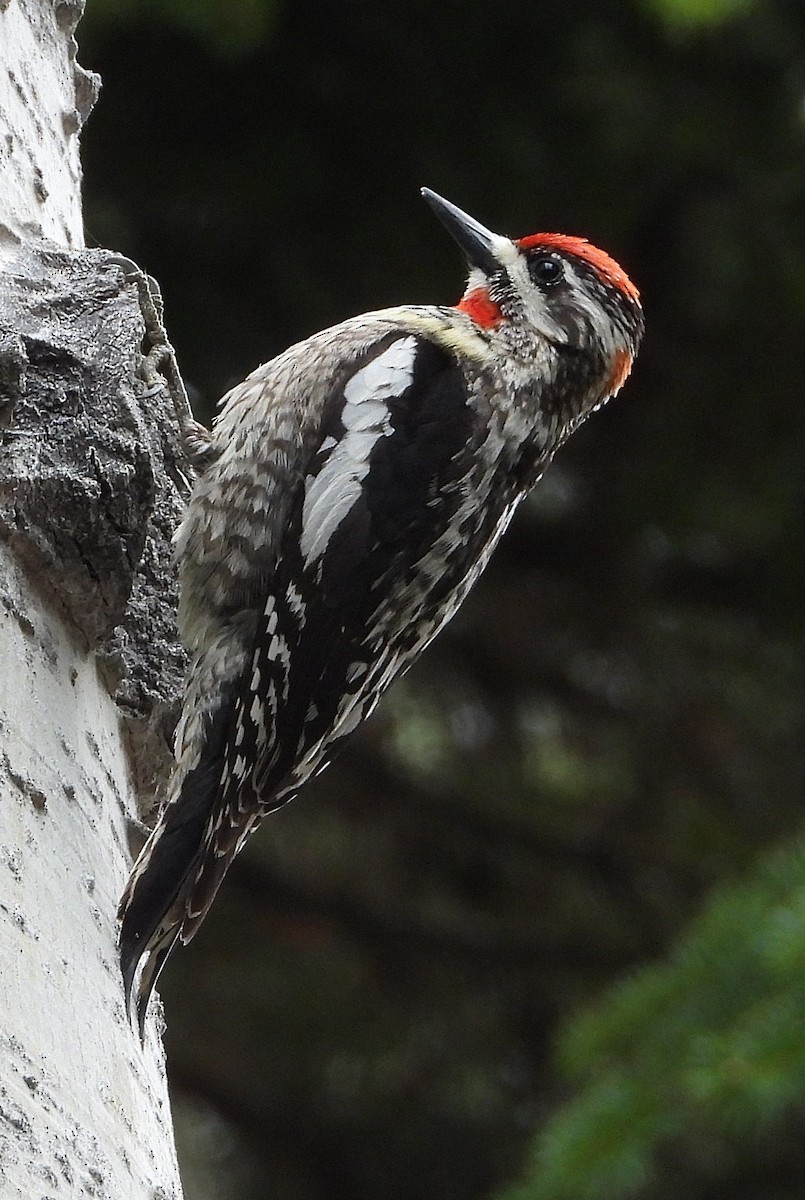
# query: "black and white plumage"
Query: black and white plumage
353,490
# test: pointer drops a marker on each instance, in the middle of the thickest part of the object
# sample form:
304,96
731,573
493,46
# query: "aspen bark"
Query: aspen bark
91,486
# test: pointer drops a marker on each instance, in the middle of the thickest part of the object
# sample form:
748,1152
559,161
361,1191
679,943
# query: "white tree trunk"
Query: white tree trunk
88,658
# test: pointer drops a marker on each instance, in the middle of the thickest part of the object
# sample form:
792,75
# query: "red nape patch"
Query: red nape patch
620,371
610,271
483,311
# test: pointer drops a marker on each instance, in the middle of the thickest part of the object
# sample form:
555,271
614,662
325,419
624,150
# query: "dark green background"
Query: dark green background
542,927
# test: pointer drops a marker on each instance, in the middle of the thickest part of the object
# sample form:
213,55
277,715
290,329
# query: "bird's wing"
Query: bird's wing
363,489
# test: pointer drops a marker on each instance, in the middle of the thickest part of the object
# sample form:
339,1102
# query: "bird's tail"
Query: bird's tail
171,886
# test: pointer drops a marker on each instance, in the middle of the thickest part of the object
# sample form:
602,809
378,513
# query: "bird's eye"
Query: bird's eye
545,269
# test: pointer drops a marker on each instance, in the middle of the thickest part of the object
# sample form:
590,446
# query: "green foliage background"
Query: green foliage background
540,933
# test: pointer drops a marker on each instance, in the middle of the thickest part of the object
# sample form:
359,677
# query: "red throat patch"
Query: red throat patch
601,262
483,311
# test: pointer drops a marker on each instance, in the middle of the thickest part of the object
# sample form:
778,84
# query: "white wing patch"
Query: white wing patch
331,494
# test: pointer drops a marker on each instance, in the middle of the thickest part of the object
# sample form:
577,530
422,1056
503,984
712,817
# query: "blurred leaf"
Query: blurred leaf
697,14
709,1044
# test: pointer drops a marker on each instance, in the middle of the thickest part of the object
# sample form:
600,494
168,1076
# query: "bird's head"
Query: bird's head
549,288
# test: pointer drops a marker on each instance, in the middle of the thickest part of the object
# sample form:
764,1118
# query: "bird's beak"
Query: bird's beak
472,237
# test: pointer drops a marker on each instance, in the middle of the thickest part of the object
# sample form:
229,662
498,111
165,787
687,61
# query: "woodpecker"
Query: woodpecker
350,493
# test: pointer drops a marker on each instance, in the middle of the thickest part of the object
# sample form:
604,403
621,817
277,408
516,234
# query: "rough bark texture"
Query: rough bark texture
91,486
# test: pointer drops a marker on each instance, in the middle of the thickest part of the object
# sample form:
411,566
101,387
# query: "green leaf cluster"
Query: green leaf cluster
692,1057
697,14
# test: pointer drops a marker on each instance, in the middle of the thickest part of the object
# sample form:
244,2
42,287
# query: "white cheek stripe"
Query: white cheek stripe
599,321
331,494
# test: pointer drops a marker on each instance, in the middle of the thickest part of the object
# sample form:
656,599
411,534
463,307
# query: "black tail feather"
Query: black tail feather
153,907
155,960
